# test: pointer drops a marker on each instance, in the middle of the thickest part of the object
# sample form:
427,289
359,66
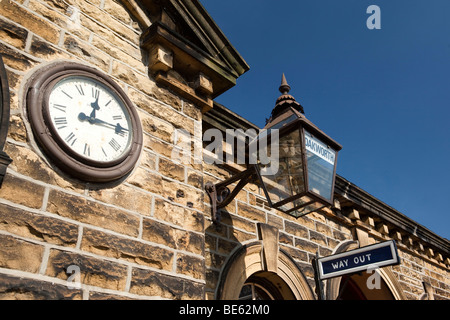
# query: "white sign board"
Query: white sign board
377,255
319,148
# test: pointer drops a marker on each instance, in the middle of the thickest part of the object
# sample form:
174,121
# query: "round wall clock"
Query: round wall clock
84,122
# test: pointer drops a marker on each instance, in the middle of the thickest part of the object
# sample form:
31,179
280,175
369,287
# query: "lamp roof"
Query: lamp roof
285,101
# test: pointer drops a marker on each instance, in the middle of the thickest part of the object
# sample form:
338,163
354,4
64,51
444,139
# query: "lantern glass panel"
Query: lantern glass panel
288,179
299,202
321,161
308,208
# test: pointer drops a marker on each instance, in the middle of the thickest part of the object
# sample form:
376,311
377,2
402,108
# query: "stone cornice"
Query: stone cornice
425,240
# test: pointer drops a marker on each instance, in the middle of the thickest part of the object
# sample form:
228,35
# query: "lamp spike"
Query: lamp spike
284,87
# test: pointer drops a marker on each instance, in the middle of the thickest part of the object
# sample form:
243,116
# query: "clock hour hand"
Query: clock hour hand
95,107
83,117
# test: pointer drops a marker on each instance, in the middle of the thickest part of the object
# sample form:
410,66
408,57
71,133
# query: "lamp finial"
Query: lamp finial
284,87
285,101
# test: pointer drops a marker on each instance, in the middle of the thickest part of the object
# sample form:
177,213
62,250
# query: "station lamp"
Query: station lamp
300,176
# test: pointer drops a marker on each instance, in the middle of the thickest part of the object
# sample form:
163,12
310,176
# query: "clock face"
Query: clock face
83,121
90,119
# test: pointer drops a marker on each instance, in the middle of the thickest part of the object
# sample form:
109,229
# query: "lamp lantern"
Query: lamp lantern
300,176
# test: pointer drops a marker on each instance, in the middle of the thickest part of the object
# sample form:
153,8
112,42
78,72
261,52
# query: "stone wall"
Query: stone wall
140,238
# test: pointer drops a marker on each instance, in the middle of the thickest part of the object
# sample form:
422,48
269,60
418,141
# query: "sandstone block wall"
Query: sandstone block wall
142,238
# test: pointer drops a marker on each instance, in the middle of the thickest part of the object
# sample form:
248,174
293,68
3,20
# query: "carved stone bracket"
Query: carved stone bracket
269,236
188,54
176,64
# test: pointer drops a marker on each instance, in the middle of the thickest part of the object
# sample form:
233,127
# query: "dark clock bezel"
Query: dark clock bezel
37,95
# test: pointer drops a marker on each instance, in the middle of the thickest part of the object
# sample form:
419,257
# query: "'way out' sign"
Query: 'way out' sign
374,256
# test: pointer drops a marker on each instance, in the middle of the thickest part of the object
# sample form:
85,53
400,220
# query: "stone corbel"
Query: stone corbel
161,63
409,242
185,91
203,85
363,237
352,213
430,253
5,160
429,293
200,75
438,256
269,236
383,229
397,236
160,59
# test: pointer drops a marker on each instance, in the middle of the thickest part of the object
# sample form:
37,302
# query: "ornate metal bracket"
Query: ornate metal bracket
221,195
5,160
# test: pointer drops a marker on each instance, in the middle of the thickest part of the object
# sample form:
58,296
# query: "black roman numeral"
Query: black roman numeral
80,89
60,107
61,122
67,94
114,144
71,138
121,133
95,93
87,150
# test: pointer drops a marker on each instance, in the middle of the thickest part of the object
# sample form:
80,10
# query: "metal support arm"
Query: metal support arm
220,194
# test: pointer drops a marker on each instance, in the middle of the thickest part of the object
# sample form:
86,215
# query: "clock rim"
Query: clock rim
37,92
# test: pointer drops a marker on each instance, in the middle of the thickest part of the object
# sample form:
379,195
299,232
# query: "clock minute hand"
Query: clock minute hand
117,127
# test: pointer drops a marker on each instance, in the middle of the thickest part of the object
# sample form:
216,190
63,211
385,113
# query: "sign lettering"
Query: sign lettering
320,149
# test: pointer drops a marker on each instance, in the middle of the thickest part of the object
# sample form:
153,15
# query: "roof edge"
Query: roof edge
362,198
214,34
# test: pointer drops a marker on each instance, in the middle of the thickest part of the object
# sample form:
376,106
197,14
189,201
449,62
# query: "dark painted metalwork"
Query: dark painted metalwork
220,194
285,101
5,160
303,178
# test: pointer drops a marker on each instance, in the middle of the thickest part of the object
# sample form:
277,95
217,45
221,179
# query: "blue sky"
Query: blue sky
384,94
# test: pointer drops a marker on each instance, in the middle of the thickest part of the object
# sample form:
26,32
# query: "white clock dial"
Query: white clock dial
90,119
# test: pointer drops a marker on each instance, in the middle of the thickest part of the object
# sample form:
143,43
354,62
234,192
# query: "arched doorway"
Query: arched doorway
245,276
355,287
265,285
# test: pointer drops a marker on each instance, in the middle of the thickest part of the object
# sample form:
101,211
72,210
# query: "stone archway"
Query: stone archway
265,260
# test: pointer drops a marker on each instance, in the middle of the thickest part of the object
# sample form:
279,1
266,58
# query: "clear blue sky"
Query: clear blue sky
383,94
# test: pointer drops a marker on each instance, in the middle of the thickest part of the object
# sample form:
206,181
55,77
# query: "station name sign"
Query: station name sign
374,256
320,149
